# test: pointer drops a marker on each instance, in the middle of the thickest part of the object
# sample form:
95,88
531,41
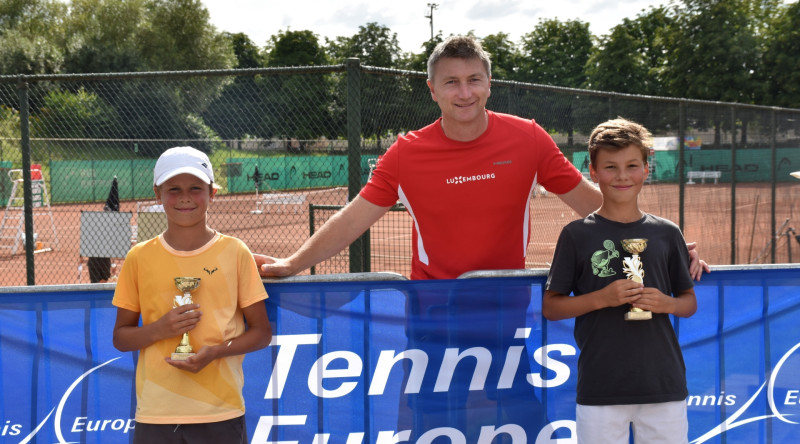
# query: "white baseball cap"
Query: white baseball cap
182,160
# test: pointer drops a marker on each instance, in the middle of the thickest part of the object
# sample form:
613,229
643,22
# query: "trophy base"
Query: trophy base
181,356
638,315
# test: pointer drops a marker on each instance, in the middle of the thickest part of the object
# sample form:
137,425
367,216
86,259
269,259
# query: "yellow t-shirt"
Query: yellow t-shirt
229,280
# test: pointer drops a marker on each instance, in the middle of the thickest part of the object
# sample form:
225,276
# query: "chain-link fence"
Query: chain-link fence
289,145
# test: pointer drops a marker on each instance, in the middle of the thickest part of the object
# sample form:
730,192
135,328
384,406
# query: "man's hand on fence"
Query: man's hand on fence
269,266
697,265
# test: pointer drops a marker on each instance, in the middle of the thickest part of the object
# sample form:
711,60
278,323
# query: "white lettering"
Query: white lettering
546,434
513,357
450,361
265,424
320,370
456,437
791,397
489,433
389,437
280,371
562,370
387,360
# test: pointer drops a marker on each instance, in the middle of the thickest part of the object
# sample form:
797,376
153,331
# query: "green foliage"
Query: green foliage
373,45
713,52
504,54
295,48
247,53
555,53
617,65
204,138
74,115
419,62
9,131
781,70
21,54
102,36
178,35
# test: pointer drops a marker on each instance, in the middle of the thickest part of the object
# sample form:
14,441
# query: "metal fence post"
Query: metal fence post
353,65
773,174
681,162
25,141
733,185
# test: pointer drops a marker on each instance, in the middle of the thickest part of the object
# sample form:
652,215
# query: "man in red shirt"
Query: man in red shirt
466,180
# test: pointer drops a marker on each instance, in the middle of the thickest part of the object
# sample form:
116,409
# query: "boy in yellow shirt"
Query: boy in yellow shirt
198,399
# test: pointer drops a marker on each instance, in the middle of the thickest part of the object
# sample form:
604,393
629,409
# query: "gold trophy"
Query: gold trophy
186,285
632,266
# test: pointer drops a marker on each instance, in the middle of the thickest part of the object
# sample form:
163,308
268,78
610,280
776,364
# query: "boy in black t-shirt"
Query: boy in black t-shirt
630,372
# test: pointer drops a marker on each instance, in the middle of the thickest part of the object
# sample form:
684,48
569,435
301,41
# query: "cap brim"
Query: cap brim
796,174
183,170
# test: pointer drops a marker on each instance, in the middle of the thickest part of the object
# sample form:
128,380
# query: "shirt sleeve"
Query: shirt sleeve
382,187
679,263
126,292
555,172
562,270
251,287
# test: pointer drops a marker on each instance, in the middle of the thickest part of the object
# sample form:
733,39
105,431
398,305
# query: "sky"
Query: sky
260,19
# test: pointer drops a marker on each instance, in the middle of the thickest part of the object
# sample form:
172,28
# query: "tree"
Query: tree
28,31
782,58
101,36
247,53
296,105
295,48
617,64
382,97
713,52
178,35
373,45
504,53
419,62
74,115
555,53
714,55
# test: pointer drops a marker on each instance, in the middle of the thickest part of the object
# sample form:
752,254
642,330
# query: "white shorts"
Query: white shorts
664,422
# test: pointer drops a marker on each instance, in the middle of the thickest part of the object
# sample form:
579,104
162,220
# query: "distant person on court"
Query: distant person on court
630,372
466,180
198,400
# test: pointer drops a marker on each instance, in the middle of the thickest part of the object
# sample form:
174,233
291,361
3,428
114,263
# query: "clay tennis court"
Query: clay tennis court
281,228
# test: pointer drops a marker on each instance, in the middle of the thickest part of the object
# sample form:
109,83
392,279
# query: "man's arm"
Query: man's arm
584,198
336,234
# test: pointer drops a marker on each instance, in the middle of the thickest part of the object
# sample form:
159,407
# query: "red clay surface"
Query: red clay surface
281,228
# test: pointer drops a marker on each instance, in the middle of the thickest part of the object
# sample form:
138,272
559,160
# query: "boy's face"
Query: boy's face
619,173
186,199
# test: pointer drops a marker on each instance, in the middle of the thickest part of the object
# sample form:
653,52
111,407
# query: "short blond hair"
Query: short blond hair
619,133
459,47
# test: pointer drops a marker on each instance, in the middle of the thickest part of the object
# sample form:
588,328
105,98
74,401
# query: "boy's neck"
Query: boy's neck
621,213
188,238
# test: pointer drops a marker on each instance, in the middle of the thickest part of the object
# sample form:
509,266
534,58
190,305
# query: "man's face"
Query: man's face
461,88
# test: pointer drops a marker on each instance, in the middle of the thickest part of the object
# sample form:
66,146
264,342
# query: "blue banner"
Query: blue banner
430,362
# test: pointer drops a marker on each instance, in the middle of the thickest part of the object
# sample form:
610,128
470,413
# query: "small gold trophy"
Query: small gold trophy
186,285
632,266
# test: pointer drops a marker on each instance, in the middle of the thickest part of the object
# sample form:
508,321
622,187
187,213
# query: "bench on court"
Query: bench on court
703,175
284,199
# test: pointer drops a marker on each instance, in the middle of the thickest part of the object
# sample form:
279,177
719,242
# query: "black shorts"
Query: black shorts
232,431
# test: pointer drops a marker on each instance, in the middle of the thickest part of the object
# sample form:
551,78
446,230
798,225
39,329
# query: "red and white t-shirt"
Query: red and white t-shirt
470,201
